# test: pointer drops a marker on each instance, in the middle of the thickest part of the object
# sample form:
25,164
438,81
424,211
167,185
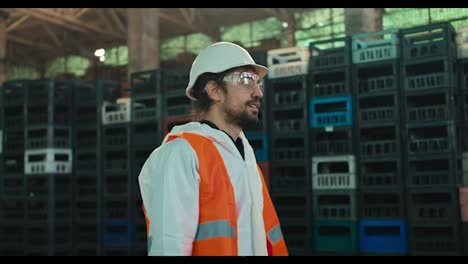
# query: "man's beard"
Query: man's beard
241,118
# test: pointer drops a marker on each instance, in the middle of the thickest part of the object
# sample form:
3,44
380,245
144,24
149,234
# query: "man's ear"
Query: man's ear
214,91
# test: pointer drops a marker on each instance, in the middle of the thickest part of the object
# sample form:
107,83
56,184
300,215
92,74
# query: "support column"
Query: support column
360,20
143,39
3,46
290,31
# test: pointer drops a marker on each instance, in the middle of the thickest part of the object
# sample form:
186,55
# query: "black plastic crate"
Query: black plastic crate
289,178
176,104
62,186
434,239
86,234
86,186
377,78
116,185
94,92
330,83
86,139
38,186
146,109
38,210
336,141
174,82
11,236
13,141
12,210
63,238
13,118
116,208
291,210
436,74
288,122
86,162
115,136
379,141
12,186
296,238
44,92
330,53
287,92
433,107
432,139
432,171
37,234
87,115
13,162
379,110
334,204
428,41
284,149
41,137
147,134
139,157
146,83
433,205
381,173
49,115
14,92
115,160
387,203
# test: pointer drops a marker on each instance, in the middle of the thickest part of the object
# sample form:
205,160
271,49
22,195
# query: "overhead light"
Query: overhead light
99,52
285,24
102,58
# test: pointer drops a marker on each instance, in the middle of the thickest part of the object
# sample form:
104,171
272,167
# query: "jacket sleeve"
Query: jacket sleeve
169,184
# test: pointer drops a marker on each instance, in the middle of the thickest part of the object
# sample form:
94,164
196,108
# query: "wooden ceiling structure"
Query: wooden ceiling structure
36,35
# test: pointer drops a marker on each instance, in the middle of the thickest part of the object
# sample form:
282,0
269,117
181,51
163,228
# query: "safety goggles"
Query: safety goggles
248,80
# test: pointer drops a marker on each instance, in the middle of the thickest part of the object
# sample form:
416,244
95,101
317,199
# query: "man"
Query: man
203,193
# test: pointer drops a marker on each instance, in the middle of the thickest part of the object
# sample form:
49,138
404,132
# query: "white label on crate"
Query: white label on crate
288,70
328,129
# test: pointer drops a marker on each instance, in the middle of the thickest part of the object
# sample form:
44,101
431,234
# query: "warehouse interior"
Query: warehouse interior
362,138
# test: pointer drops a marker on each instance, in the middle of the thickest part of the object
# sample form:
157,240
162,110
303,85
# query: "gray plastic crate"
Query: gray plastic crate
375,46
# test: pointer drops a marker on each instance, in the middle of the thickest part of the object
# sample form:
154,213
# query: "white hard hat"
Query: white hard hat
219,57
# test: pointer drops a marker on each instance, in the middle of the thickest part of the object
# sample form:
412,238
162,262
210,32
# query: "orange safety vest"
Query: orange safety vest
217,226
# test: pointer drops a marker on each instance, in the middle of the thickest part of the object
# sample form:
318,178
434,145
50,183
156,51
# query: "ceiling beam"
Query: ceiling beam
188,14
81,12
16,23
65,21
52,35
101,14
29,42
115,17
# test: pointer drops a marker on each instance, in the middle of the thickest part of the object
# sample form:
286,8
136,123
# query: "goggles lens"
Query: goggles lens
248,80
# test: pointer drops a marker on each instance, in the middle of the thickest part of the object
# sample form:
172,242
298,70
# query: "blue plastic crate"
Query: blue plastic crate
383,236
117,233
259,144
331,117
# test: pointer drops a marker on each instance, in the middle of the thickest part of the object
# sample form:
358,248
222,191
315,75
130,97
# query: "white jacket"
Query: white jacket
169,184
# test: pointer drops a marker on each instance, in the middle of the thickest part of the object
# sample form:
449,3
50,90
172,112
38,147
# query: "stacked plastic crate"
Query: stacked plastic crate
332,148
146,135
13,186
431,118
376,69
288,116
116,221
88,98
48,167
258,135
176,105
462,54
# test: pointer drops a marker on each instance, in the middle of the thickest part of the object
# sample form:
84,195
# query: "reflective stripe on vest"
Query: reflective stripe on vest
275,234
220,228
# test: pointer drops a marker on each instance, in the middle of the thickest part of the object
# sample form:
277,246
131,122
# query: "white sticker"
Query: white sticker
328,129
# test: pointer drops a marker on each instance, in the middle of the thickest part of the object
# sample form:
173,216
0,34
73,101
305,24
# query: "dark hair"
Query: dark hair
200,107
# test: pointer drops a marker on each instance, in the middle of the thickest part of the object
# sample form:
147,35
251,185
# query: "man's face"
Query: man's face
242,101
